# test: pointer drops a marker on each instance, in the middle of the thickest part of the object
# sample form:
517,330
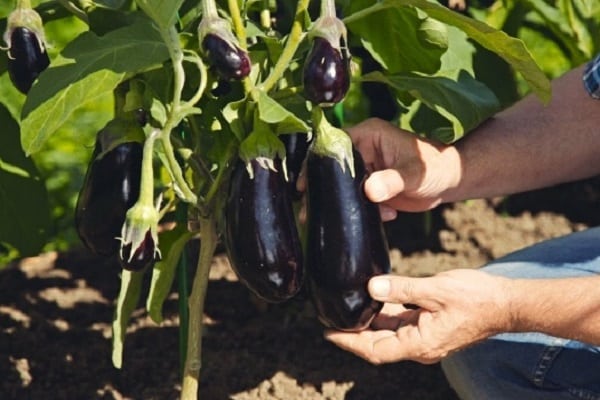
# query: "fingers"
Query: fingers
383,346
393,316
402,290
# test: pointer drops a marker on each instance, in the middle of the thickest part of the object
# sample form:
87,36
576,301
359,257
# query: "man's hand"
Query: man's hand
455,309
409,173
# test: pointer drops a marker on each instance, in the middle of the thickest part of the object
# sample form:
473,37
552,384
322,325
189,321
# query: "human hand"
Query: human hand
456,309
409,173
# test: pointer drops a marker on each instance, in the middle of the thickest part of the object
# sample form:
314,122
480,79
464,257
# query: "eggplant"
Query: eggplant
260,232
229,61
326,73
143,256
111,187
27,58
296,149
346,243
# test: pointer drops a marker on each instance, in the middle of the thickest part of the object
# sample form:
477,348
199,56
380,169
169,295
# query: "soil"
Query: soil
56,310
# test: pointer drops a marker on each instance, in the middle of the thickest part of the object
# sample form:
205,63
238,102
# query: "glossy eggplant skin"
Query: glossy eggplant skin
26,58
326,73
296,149
261,235
111,187
229,61
346,244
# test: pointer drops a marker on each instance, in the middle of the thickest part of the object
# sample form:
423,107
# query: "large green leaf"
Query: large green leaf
24,207
397,39
272,112
465,102
163,12
89,68
510,49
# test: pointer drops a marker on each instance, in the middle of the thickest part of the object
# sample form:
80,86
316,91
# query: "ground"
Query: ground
55,313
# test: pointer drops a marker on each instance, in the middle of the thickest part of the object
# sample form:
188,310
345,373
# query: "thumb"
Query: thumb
404,290
384,185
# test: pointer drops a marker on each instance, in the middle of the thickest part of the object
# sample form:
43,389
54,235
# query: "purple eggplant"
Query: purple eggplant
326,73
346,243
27,58
110,188
260,232
229,61
143,256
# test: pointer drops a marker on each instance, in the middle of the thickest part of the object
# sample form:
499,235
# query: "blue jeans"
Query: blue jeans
532,366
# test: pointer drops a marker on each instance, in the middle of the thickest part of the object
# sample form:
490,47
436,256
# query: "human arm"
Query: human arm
461,307
525,147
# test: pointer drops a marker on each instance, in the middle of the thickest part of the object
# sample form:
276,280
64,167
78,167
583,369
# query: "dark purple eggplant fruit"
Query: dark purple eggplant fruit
346,244
229,61
296,149
143,256
111,187
27,58
260,233
326,73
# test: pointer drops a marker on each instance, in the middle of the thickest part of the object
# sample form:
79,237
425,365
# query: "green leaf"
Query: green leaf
465,102
397,39
512,50
129,295
24,205
163,12
272,112
89,68
172,243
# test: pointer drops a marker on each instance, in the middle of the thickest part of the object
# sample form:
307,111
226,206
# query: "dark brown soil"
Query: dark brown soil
56,309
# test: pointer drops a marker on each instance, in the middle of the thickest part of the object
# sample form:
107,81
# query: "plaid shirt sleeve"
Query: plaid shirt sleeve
591,77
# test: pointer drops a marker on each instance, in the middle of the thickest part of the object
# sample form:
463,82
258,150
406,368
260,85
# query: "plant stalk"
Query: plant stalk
193,362
294,39
171,39
209,9
328,8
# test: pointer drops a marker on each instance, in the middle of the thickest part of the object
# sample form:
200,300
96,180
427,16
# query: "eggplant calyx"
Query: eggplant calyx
332,142
334,31
263,146
140,220
25,18
117,132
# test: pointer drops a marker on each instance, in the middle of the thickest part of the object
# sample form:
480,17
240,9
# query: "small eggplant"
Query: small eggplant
229,61
260,232
326,73
346,243
111,186
296,149
27,58
144,255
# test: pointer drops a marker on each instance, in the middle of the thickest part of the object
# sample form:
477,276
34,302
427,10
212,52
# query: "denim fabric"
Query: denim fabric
591,77
532,366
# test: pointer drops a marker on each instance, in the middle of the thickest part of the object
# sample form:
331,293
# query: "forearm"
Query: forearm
568,308
529,145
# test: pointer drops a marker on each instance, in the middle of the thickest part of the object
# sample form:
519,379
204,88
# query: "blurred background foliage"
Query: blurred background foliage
561,34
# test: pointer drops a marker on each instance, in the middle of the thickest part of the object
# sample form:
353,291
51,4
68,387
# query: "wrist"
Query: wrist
450,172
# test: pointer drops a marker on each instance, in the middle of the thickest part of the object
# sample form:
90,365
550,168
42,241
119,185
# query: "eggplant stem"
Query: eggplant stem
295,37
193,362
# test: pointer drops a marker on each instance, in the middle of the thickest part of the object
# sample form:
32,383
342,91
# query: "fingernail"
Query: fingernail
379,287
388,214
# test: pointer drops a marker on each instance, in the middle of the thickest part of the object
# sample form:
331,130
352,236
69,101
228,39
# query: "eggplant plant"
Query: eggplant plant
216,105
